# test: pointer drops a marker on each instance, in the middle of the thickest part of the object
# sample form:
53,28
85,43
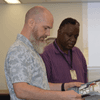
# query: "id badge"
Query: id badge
73,74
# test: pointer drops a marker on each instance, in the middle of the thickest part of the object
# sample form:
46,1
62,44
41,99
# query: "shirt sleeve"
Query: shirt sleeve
47,62
19,64
85,70
84,65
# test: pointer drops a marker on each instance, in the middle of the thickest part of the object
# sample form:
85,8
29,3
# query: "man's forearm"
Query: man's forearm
28,92
25,91
55,86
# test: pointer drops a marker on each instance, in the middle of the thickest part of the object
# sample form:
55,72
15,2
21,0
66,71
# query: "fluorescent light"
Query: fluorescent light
13,1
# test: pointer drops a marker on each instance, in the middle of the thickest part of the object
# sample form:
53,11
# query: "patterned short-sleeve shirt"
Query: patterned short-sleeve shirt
24,64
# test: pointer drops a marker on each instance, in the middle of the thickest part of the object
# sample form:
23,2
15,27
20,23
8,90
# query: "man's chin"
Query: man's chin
40,51
41,46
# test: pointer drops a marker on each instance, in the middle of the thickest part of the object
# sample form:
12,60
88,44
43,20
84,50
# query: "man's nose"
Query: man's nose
73,39
48,32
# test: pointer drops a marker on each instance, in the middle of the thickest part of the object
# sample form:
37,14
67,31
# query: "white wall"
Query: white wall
94,33
85,25
12,21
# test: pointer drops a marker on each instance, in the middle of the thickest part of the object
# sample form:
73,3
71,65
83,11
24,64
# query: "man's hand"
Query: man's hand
72,84
72,95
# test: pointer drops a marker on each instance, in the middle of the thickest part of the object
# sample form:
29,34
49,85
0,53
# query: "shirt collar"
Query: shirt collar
25,40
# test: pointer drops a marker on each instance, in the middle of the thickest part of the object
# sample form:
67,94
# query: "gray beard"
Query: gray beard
38,45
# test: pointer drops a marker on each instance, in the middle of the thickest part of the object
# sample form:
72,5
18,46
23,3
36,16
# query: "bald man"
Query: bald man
24,69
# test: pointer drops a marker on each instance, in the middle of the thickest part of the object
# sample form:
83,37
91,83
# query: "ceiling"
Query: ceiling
50,1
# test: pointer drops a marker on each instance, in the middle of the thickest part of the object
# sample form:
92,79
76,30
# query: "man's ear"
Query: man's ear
31,23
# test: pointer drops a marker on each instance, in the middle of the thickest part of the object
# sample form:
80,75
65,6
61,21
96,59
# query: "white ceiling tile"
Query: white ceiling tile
42,1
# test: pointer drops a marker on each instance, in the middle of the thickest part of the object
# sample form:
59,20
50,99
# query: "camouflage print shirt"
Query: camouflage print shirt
23,64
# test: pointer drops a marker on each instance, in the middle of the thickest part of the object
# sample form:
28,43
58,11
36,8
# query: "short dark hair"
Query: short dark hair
68,21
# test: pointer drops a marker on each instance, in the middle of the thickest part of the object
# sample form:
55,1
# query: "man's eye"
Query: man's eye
69,35
45,28
76,36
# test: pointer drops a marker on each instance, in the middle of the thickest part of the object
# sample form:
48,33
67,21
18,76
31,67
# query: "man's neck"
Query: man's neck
25,32
62,48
